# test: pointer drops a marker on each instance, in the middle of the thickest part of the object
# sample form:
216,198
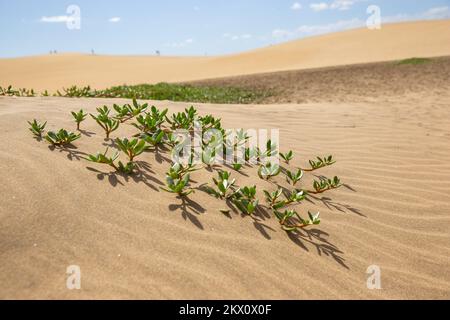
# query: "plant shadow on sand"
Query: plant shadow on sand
72,152
142,175
189,210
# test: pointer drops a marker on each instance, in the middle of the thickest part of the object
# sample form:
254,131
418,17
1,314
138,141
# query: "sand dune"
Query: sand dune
396,41
133,241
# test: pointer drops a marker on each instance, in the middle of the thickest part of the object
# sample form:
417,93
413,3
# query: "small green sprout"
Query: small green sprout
272,197
127,112
62,137
183,120
290,220
237,166
288,156
154,139
37,128
148,124
320,163
79,117
132,148
103,158
269,170
294,177
177,180
325,184
225,186
105,121
271,149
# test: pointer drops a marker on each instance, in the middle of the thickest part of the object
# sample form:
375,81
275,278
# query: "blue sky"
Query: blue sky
188,27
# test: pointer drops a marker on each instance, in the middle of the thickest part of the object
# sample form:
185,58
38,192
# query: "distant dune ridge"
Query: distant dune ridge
393,41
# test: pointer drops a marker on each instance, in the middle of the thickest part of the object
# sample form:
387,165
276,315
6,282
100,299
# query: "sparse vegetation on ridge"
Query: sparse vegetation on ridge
160,91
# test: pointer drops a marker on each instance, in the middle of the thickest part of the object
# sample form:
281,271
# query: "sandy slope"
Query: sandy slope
396,41
133,241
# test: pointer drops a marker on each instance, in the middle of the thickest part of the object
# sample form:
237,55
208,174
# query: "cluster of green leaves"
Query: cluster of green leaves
104,120
151,121
61,137
288,156
183,120
225,188
177,179
103,158
132,148
21,92
325,184
290,220
294,177
320,163
79,117
245,200
77,92
269,170
37,128
127,111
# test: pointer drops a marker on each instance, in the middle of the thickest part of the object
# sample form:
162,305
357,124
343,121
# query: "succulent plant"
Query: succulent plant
132,148
177,180
183,120
79,117
325,184
288,156
127,111
294,177
37,128
237,166
105,121
320,163
225,186
62,137
154,139
269,170
289,224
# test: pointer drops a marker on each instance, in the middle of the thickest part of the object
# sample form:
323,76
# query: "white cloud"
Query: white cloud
431,14
181,44
334,5
281,33
319,6
296,6
331,27
235,37
437,13
56,19
114,19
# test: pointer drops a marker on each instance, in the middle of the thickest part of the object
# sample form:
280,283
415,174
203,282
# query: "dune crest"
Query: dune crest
394,41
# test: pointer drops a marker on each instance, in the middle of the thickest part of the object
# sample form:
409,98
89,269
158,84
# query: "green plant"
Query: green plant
62,137
132,148
79,117
237,166
225,186
245,200
127,111
154,139
289,197
105,121
183,120
294,177
320,163
269,170
325,184
287,222
177,180
287,157
37,128
414,61
103,158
